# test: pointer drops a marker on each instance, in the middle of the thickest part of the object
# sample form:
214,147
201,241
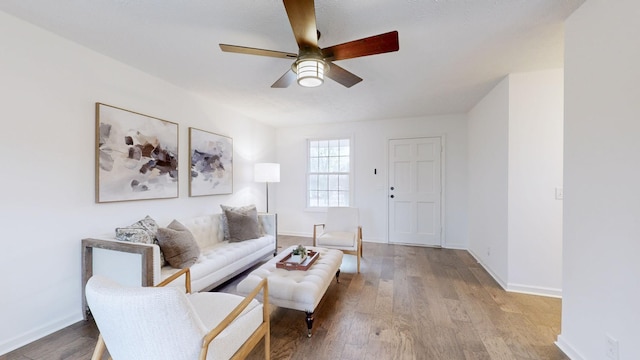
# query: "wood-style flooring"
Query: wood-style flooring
407,303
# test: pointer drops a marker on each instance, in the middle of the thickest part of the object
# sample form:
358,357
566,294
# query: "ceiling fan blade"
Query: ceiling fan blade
342,76
302,16
285,80
255,51
372,45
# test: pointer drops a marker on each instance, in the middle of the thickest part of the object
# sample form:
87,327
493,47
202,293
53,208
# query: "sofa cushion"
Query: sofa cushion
205,229
243,223
337,239
178,245
217,261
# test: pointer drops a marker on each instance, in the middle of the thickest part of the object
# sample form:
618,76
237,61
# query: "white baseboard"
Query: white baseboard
289,233
519,288
374,240
567,349
455,247
497,278
36,334
308,235
535,290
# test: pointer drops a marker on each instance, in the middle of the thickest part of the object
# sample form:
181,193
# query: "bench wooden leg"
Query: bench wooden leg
309,322
338,276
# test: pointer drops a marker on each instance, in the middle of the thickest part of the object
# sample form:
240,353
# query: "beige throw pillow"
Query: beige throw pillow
243,225
178,245
236,209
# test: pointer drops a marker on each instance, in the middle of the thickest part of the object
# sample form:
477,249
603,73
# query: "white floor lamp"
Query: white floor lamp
266,173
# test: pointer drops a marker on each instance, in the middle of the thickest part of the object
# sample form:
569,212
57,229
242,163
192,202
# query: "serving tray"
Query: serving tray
312,256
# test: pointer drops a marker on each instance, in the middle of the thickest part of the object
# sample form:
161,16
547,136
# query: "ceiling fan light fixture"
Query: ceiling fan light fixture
310,72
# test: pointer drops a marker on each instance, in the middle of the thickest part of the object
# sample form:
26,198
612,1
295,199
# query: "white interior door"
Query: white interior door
415,191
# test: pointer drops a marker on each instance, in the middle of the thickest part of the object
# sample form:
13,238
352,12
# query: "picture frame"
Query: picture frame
210,163
136,156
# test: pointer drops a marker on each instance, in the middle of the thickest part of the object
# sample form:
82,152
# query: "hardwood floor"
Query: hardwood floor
407,303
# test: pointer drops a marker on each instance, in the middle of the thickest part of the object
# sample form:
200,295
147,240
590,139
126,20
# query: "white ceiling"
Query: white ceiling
452,52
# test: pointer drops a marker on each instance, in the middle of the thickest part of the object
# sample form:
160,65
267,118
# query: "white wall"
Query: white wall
370,146
515,164
601,290
48,90
488,180
536,117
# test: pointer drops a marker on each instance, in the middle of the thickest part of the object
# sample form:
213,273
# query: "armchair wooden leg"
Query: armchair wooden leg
267,345
266,315
99,350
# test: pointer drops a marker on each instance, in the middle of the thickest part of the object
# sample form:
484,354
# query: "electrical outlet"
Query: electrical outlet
489,251
612,348
559,193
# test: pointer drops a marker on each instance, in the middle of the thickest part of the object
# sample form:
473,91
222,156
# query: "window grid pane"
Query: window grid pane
329,166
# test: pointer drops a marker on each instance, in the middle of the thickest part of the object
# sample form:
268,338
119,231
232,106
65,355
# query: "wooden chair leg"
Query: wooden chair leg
266,316
267,345
99,350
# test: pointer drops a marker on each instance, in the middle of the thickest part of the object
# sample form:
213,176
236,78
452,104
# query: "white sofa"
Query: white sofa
139,264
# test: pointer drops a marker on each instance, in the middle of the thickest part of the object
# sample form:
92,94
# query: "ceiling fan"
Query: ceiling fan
312,63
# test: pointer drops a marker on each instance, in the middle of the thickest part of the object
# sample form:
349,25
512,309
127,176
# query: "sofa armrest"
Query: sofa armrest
269,224
149,261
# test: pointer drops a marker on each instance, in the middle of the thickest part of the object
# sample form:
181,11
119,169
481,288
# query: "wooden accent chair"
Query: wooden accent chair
342,231
165,323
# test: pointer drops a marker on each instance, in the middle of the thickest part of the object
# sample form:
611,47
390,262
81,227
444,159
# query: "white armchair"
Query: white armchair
342,231
165,323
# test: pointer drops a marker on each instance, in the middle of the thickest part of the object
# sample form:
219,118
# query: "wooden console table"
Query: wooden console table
88,245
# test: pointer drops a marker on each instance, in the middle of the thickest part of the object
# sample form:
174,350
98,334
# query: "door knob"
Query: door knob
392,188
392,196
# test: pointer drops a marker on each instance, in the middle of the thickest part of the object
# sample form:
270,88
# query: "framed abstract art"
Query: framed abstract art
210,163
136,156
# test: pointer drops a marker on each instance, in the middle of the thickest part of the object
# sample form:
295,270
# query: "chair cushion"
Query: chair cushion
144,322
337,238
162,323
213,307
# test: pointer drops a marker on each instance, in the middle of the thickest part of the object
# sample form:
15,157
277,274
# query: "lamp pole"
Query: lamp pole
266,182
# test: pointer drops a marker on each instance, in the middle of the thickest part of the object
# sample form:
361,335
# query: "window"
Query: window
329,173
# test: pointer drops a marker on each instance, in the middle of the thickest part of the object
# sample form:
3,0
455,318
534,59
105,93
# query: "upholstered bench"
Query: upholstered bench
297,289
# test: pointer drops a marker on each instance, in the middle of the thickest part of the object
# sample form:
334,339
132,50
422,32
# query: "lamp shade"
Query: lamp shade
266,172
310,72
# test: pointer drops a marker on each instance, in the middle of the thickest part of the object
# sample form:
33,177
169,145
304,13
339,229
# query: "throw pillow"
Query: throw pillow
236,209
142,231
178,245
243,225
135,235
